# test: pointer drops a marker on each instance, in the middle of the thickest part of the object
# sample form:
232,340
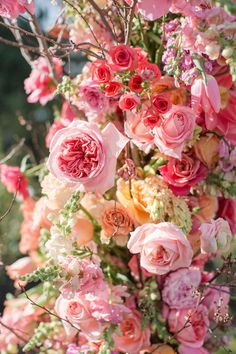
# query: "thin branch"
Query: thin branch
11,204
13,331
13,151
130,22
103,18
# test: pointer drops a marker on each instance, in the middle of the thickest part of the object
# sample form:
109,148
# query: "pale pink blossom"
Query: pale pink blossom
189,325
12,8
81,154
216,299
152,10
163,247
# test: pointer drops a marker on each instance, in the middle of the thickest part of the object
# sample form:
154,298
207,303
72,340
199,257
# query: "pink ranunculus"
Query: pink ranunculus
78,313
14,180
152,10
133,337
215,236
39,84
206,97
179,287
216,299
189,325
82,154
12,8
163,247
122,58
183,349
182,174
227,210
176,129
129,101
138,132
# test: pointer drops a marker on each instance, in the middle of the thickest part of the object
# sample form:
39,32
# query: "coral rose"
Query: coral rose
81,154
133,337
101,71
163,247
189,325
177,127
122,58
129,101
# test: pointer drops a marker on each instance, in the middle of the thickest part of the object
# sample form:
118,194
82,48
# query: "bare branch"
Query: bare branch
130,22
13,151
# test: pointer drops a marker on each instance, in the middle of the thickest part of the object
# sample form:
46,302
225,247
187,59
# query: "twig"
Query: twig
103,18
130,22
11,204
13,331
13,151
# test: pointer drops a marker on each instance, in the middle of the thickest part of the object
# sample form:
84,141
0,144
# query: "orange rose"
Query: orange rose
207,149
209,207
159,349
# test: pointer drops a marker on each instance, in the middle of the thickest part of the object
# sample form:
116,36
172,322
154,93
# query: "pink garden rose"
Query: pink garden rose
227,210
133,337
77,311
39,84
179,287
151,10
82,154
163,247
176,129
14,180
192,334
12,8
215,236
122,58
138,132
183,349
182,174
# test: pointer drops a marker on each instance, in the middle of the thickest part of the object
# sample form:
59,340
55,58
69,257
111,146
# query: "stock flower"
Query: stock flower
129,101
40,84
193,334
14,180
133,337
179,286
81,154
177,127
216,236
182,174
122,58
12,8
163,247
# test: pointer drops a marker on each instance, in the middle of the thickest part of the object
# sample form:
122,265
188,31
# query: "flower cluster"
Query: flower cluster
138,197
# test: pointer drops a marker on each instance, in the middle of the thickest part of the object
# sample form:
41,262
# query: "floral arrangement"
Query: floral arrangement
129,243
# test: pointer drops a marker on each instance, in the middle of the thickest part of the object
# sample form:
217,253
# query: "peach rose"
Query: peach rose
208,207
20,267
136,205
207,150
159,349
163,247
133,338
116,222
82,230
